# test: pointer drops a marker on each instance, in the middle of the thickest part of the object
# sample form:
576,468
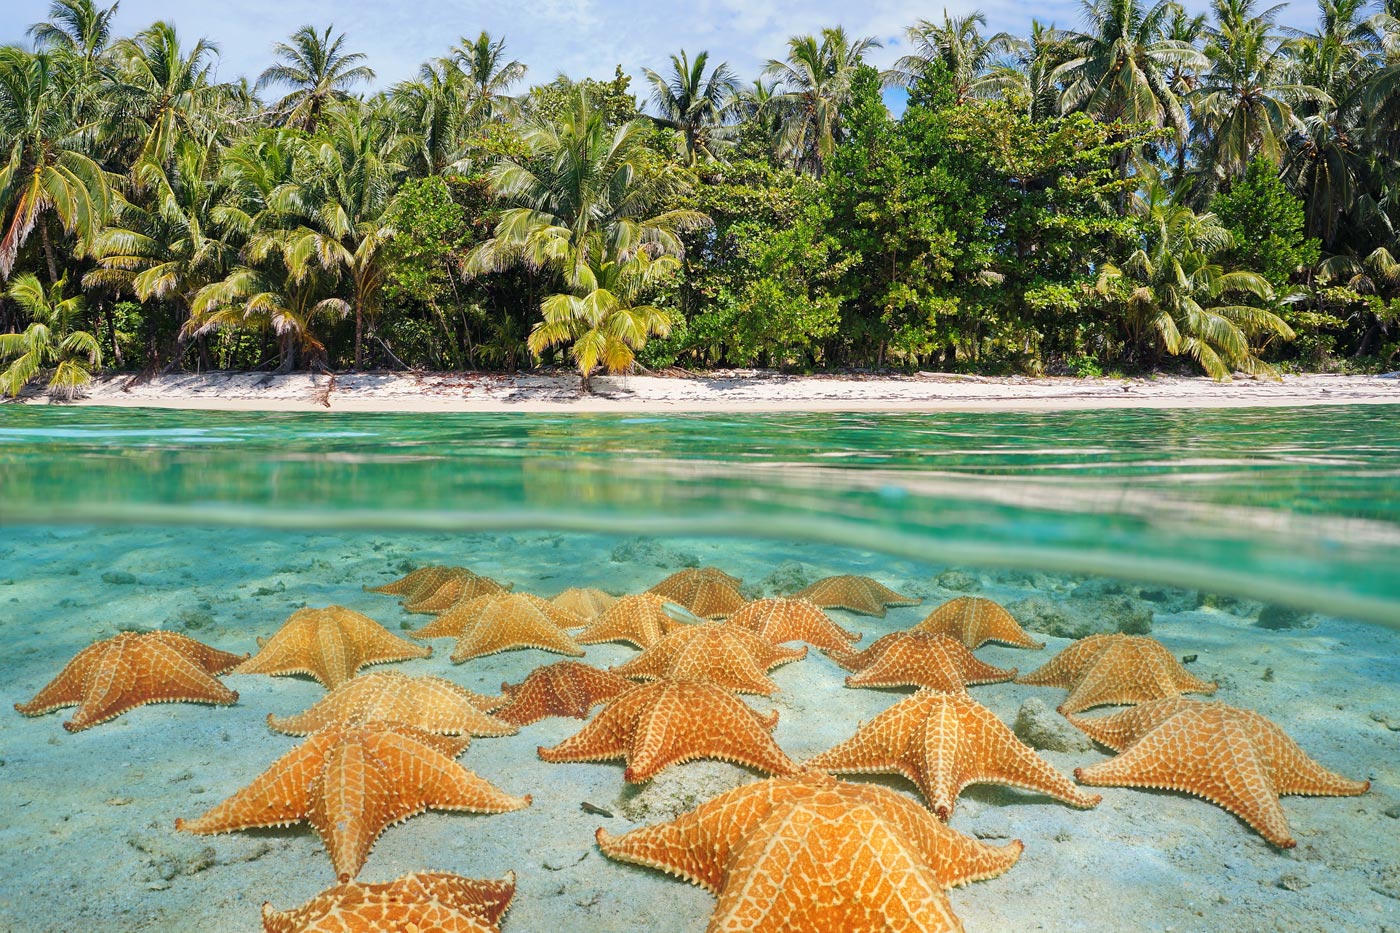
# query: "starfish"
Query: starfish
132,669
734,658
330,644
705,591
464,615
587,604
1234,758
943,742
1114,669
854,594
455,590
567,688
657,725
351,783
917,659
428,703
426,901
783,620
421,582
974,621
812,853
640,620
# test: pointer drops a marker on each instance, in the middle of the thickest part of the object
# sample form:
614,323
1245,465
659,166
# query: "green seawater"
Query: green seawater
1294,506
1210,527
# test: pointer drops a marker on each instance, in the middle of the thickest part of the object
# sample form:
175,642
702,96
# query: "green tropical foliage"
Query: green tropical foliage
1158,189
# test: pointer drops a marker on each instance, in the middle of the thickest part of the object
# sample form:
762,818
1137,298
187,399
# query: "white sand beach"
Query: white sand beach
729,391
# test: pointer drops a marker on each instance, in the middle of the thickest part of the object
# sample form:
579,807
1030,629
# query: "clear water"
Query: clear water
221,524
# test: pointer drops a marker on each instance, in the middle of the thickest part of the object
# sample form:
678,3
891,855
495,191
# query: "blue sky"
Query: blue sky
578,37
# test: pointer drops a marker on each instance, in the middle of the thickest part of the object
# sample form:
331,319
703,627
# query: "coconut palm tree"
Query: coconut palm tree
1023,73
584,205
159,94
815,83
318,70
489,76
1176,299
433,114
1124,69
48,343
45,173
959,45
78,27
692,104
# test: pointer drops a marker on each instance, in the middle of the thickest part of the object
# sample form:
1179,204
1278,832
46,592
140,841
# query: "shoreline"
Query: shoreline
753,391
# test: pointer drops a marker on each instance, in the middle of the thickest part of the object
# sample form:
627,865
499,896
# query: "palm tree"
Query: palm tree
44,172
1123,68
1174,297
586,205
318,69
960,46
433,115
159,94
692,104
482,63
1024,74
1243,103
78,27
815,83
48,341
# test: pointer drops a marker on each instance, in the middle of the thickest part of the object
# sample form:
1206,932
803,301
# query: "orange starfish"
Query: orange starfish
812,853
672,721
455,590
351,783
1234,758
943,742
734,658
640,620
330,644
974,621
705,591
854,594
464,615
132,669
917,659
428,703
421,582
588,604
783,620
426,901
1115,669
567,688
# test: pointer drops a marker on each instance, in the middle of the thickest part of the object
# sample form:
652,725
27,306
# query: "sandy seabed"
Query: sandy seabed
730,391
88,839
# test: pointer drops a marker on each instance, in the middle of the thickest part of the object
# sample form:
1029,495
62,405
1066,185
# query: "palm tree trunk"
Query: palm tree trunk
48,250
288,346
359,335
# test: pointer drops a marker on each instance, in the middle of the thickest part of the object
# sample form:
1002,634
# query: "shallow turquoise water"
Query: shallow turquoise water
220,525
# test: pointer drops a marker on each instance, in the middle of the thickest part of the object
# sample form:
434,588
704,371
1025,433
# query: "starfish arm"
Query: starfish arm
435,779
1065,667
211,660
67,688
484,639
277,797
606,737
992,754
877,747
676,848
350,806
1294,772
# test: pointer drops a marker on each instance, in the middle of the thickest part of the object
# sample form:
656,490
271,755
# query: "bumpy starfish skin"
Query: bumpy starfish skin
854,594
943,742
564,689
463,616
329,644
515,622
349,784
426,901
917,659
132,669
640,620
421,582
1115,669
734,658
974,621
705,591
784,620
813,853
1234,758
585,602
460,589
665,723
428,703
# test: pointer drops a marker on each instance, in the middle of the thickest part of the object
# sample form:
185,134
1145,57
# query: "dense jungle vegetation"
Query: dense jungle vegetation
1148,190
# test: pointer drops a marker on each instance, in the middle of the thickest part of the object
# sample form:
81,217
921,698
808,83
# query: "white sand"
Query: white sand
87,840
734,391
